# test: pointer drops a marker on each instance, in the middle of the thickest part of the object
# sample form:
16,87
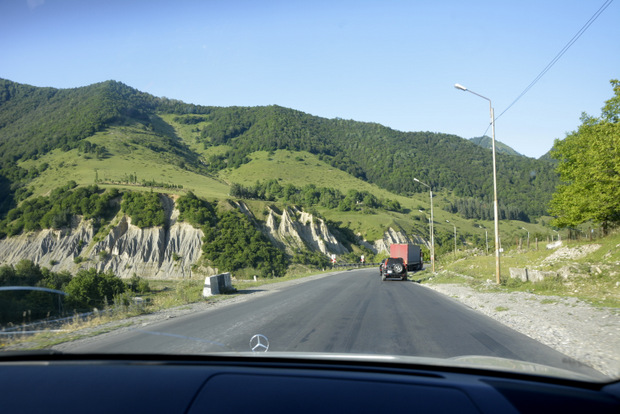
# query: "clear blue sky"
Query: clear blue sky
390,62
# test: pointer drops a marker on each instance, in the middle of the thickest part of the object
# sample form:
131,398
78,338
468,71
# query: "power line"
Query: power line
560,54
556,58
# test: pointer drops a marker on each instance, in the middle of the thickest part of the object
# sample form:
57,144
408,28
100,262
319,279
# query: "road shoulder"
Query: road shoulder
588,334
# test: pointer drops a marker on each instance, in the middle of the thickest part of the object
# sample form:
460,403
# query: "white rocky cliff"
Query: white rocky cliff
295,229
168,252
392,236
156,252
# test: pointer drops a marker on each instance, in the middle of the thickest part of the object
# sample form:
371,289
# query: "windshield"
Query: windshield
229,176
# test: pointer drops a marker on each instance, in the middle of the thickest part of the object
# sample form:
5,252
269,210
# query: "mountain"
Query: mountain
34,121
112,120
109,177
547,157
377,154
500,147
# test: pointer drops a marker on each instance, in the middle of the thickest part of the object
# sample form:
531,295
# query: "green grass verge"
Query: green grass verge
594,278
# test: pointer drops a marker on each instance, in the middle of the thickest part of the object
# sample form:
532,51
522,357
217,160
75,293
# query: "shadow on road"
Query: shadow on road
247,291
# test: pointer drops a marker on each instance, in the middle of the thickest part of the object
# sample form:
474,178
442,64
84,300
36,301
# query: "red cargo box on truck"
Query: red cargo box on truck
411,254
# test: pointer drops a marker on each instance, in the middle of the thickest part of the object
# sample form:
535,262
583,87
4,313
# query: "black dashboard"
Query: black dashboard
188,384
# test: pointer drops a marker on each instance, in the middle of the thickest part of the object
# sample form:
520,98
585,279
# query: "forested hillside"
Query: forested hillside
388,158
34,121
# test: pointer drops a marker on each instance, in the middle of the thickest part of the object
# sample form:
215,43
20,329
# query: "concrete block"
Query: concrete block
540,275
530,275
218,284
517,273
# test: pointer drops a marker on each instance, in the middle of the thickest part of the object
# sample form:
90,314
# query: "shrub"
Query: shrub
195,211
16,305
145,209
139,285
56,210
90,289
315,259
235,244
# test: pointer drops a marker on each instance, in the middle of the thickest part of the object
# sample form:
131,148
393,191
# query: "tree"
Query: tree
145,209
90,288
589,169
235,244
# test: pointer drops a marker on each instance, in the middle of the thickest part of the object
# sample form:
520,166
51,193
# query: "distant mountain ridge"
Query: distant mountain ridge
34,121
547,157
500,147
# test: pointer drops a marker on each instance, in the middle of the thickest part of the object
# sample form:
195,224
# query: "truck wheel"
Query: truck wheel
382,276
398,268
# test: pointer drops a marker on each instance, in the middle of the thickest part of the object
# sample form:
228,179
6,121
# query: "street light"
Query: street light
495,208
432,226
448,221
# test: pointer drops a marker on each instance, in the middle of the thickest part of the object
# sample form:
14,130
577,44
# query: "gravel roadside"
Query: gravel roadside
583,332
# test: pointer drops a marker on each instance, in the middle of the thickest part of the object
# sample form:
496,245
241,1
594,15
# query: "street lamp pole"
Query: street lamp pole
495,207
432,226
448,221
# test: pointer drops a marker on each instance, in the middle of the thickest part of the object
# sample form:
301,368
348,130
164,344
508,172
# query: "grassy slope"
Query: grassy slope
298,168
596,277
125,158
286,166
302,168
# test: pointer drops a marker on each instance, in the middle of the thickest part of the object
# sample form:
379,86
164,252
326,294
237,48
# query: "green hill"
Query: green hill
113,135
500,147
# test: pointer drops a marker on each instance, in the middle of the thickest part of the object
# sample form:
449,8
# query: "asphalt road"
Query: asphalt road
350,312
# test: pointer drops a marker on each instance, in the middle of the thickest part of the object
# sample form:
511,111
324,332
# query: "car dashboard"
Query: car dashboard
190,384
